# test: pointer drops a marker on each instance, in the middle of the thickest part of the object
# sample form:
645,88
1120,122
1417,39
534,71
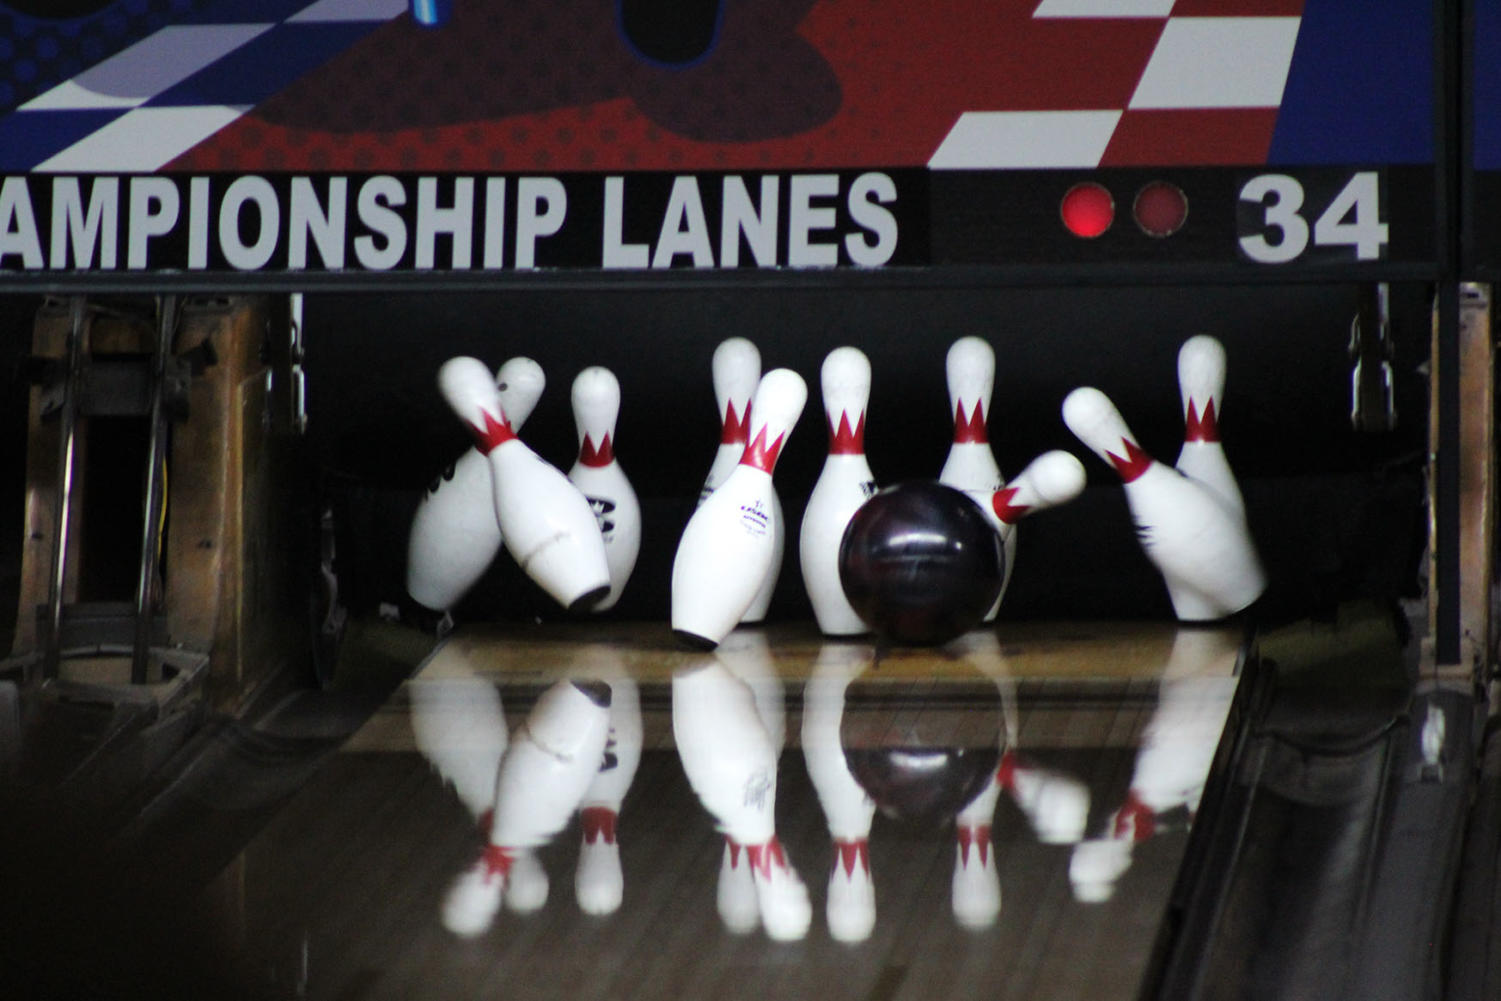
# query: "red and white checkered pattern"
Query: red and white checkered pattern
1212,83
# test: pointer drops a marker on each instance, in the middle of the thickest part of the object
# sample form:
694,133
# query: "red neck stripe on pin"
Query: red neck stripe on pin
977,837
1009,513
971,430
495,432
598,823
1134,821
1205,428
601,456
848,855
1135,463
843,441
765,857
734,430
761,455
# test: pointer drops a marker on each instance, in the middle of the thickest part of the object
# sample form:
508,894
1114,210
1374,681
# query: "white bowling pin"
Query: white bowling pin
547,767
971,466
843,485
850,906
454,535
727,547
731,765
597,474
736,370
1200,544
599,881
1201,386
546,523
746,653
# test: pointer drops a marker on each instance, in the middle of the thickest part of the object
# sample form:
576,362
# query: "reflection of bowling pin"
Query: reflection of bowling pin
455,536
850,907
547,767
1173,760
971,466
599,882
728,544
1199,543
546,523
597,473
843,485
736,369
1201,385
731,764
460,727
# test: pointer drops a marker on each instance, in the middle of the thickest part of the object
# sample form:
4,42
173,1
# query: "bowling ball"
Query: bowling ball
920,563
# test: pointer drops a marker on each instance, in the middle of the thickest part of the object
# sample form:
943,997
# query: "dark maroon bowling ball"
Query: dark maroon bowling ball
920,563
925,785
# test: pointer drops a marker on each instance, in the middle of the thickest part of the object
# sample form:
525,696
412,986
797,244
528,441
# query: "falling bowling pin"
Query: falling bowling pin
736,371
546,523
728,545
597,474
550,762
1201,386
454,536
731,765
844,484
971,466
1199,543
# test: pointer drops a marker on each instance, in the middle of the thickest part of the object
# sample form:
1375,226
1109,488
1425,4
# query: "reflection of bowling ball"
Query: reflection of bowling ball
920,563
919,757
922,784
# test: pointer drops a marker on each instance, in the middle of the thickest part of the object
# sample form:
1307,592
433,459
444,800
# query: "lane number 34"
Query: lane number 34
1272,218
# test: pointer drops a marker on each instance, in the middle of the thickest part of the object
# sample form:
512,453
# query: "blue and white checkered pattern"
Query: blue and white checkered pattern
168,76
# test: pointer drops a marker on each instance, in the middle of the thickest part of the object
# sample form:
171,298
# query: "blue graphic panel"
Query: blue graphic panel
1361,86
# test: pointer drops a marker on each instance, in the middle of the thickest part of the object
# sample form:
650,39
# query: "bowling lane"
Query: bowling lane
1032,792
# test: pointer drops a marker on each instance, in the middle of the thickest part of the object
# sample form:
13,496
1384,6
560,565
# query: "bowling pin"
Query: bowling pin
731,765
543,776
1199,543
975,889
736,370
546,523
599,881
454,535
728,545
597,474
971,466
1201,386
850,905
843,485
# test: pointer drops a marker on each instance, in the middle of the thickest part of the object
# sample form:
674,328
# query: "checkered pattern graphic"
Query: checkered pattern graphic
141,107
1208,93
331,85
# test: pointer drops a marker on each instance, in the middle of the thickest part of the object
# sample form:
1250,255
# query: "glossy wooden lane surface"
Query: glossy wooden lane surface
340,895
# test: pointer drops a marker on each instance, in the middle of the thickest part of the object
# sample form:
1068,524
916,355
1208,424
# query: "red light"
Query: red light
1087,209
1160,209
